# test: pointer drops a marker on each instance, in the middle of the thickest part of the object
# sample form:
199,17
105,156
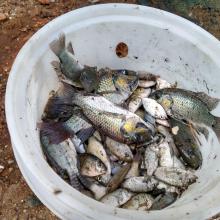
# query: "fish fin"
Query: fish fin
202,130
58,45
209,101
55,131
216,127
85,134
70,48
64,95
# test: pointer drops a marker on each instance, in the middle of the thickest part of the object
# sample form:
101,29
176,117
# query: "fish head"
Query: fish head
136,131
163,99
89,78
126,83
92,166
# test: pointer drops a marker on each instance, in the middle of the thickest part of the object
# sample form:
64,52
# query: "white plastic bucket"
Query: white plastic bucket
158,42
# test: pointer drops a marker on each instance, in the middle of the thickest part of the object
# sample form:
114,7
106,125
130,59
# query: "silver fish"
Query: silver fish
110,119
96,148
141,201
140,184
175,176
165,156
120,150
151,159
117,198
136,98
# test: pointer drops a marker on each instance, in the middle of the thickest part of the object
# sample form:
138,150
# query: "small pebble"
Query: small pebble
3,17
175,130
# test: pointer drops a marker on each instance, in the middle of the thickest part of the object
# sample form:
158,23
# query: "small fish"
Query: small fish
91,166
175,176
153,108
162,84
187,145
140,184
165,156
141,201
163,122
110,119
151,159
96,148
117,198
189,106
136,98
59,131
116,87
134,170
118,178
162,201
168,138
97,189
63,156
120,150
70,67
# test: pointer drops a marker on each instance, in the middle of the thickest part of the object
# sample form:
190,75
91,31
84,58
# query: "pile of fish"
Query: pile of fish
128,139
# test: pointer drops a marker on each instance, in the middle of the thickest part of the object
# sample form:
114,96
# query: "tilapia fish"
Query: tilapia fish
116,87
63,157
189,106
70,67
187,145
110,119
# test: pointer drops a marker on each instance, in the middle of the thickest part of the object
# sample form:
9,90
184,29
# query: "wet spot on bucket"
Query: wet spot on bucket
57,191
121,50
187,213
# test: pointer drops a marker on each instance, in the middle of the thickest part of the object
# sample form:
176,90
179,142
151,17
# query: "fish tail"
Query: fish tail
74,181
85,134
216,127
56,132
58,45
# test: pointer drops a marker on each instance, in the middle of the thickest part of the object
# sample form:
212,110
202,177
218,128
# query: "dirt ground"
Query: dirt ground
19,20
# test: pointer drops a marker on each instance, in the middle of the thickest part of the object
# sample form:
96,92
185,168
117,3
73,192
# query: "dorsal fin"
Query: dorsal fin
70,48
